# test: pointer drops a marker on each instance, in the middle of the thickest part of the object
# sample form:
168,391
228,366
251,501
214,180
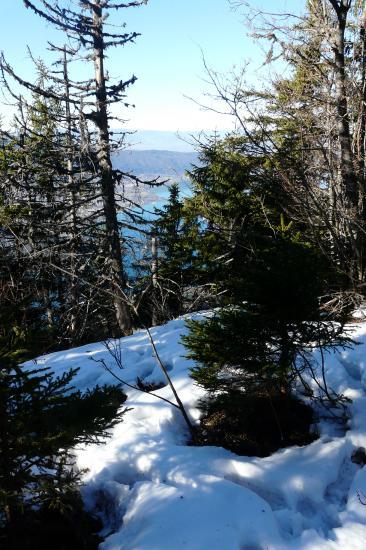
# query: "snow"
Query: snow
209,512
156,492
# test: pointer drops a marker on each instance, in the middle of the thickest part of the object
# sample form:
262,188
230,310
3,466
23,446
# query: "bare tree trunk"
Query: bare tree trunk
361,149
362,117
350,168
74,298
154,276
347,169
117,275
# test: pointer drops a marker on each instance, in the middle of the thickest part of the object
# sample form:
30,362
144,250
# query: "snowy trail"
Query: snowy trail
156,493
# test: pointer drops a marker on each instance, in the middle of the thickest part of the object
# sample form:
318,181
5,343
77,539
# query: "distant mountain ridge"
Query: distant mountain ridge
169,166
163,140
155,162
181,141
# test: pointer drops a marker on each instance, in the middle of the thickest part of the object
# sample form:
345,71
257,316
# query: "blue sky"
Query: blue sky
167,58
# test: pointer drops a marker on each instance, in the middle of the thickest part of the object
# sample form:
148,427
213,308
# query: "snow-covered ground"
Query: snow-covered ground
154,492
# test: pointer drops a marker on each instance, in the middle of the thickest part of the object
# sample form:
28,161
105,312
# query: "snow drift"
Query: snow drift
155,492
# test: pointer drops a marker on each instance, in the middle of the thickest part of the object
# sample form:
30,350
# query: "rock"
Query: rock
359,456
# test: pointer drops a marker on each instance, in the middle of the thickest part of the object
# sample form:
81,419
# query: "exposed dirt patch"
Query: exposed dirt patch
256,425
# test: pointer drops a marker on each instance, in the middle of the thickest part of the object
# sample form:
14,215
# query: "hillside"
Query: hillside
155,162
170,166
163,140
156,492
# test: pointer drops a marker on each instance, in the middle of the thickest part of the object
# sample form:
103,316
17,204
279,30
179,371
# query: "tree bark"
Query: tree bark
74,294
362,117
154,277
347,170
117,274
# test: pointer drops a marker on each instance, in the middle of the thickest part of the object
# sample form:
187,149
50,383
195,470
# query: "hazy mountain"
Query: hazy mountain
170,166
155,162
162,140
183,142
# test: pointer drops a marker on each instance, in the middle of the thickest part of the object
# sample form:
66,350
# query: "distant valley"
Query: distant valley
151,164
155,162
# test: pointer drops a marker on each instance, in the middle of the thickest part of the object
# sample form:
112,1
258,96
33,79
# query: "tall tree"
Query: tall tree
86,26
318,102
42,419
226,201
51,190
175,233
272,282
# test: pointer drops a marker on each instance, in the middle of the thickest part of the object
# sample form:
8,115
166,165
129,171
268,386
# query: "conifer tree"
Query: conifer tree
252,353
175,233
42,419
317,108
229,187
253,349
85,25
49,199
28,184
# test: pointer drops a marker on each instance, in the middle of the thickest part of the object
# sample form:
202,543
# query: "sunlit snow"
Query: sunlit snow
155,492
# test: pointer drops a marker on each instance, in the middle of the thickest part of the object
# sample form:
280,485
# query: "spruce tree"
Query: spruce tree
175,233
53,196
231,189
254,349
312,125
86,27
42,419
252,353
